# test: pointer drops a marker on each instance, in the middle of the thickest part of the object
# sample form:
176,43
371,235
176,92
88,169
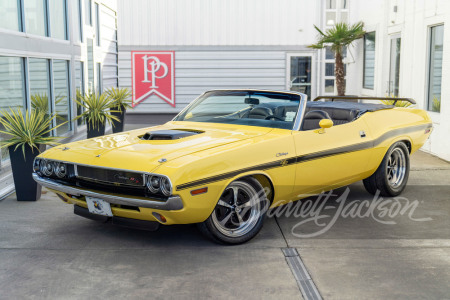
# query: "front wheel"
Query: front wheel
239,213
392,175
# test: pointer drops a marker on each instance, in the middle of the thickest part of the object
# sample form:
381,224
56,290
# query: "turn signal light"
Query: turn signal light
199,191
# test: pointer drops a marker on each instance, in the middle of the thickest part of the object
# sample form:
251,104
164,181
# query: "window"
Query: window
90,64
79,24
369,61
12,89
79,86
329,86
435,68
35,17
61,94
97,24
39,79
336,11
99,78
9,12
58,24
88,12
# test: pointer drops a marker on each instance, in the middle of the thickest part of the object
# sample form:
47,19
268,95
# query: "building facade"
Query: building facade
49,49
264,44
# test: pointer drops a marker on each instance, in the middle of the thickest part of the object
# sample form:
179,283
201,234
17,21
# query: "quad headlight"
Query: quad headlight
159,184
50,168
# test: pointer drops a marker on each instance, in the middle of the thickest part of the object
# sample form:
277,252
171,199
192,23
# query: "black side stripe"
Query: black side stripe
307,157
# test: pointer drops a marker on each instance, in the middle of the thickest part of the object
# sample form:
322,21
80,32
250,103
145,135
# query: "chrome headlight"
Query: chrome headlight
46,167
60,169
154,183
37,165
166,186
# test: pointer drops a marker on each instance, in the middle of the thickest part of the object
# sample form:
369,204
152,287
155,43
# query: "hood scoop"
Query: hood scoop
168,134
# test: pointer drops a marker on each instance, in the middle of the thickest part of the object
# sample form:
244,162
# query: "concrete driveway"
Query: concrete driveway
46,252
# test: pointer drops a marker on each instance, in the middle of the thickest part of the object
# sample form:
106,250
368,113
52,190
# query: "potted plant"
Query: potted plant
96,112
120,102
39,103
27,132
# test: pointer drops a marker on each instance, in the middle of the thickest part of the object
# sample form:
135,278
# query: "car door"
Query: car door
336,157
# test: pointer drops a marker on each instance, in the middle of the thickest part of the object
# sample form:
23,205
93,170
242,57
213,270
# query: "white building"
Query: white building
263,44
52,48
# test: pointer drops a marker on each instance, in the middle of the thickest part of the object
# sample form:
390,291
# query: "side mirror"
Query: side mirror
324,123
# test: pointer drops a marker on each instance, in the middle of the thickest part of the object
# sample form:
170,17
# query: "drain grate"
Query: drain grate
304,281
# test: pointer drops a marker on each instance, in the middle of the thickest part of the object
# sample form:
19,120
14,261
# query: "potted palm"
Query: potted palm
96,112
120,102
27,132
339,37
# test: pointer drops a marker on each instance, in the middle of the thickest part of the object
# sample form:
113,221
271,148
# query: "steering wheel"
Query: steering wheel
273,117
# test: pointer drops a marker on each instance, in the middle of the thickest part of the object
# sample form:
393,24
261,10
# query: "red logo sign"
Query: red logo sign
153,73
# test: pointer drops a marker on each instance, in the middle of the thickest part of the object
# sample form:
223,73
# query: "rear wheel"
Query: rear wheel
392,175
239,213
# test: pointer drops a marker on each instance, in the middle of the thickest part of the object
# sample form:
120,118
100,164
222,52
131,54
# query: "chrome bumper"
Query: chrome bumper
173,203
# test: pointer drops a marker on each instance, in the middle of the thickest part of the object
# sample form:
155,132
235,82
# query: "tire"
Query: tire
392,175
239,213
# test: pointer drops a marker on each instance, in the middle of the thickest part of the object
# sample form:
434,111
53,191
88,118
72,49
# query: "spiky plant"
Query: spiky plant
436,104
39,102
96,109
119,97
29,128
399,103
339,37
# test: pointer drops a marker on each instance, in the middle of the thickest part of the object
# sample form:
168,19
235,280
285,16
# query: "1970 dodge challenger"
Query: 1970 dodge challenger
232,154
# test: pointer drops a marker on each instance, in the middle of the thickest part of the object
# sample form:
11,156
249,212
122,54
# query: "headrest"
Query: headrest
317,114
261,111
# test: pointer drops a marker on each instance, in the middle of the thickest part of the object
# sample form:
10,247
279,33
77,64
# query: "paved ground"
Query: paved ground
46,252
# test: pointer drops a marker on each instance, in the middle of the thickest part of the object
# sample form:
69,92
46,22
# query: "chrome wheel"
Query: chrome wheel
238,210
396,167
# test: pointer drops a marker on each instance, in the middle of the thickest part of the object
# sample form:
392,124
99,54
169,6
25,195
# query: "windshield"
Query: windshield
252,108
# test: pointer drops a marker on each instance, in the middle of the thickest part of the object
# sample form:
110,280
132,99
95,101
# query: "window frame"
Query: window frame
428,67
364,61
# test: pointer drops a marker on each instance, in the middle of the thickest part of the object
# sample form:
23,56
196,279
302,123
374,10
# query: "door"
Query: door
299,73
337,157
394,68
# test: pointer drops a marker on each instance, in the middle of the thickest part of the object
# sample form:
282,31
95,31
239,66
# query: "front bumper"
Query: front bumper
172,203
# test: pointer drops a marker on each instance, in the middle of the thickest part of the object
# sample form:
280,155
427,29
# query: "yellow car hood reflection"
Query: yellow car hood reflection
133,153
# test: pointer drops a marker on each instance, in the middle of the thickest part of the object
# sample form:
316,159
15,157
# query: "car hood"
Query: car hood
129,151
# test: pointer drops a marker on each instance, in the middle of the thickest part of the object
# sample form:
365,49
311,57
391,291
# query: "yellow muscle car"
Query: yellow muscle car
232,154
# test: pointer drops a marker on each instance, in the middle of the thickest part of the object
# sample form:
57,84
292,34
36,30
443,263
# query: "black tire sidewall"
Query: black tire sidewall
214,234
397,190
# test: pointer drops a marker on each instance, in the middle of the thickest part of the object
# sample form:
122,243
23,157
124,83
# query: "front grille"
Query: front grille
115,177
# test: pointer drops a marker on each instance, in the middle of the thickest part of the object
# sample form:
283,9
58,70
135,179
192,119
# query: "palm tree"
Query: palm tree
340,36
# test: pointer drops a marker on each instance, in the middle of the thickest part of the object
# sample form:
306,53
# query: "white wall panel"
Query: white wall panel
217,22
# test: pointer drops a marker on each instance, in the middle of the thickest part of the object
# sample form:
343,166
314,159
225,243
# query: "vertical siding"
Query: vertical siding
109,47
217,22
198,71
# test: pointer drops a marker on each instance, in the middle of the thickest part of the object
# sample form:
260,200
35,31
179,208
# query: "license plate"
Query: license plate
98,206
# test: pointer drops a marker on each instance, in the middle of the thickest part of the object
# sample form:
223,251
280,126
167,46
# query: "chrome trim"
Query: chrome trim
172,203
300,112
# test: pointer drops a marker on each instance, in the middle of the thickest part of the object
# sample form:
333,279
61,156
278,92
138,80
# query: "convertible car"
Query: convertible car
231,155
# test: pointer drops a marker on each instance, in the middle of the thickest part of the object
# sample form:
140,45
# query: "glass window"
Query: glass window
435,68
61,91
79,86
328,53
329,69
97,24
88,8
58,19
9,12
329,86
12,89
39,79
330,18
301,74
79,24
344,17
99,78
331,4
90,64
369,60
344,4
35,17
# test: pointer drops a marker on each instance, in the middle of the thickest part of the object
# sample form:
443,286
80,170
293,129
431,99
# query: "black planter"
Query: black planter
118,125
26,188
92,132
